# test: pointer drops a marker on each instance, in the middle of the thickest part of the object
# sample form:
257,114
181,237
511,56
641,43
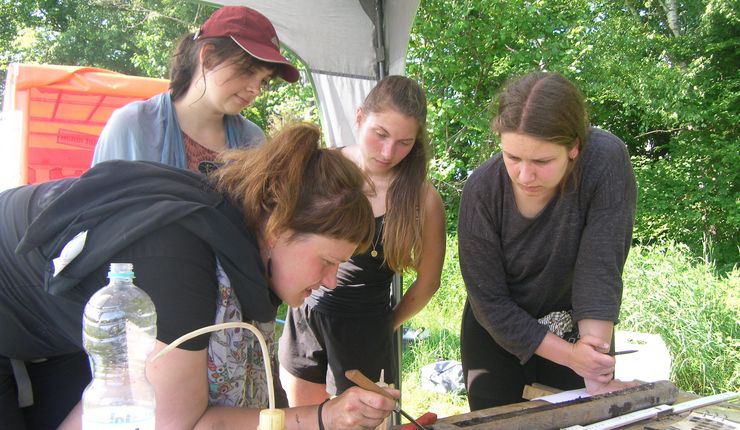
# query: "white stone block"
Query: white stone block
651,362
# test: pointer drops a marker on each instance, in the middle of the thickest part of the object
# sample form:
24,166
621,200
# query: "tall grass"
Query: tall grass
441,317
667,292
695,311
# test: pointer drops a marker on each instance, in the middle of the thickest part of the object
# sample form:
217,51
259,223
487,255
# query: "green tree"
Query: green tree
135,37
659,74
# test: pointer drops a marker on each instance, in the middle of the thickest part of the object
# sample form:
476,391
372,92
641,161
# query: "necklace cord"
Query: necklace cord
374,252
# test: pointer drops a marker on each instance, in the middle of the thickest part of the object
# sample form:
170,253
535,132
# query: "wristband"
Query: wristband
321,420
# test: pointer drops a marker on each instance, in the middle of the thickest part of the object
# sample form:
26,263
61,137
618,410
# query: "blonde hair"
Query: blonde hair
404,218
291,183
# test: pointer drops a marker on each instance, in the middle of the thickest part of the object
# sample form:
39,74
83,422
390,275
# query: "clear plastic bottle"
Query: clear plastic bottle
119,332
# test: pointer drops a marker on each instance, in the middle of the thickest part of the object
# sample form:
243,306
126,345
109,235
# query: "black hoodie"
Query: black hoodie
119,202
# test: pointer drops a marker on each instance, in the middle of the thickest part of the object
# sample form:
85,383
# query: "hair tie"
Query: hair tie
321,408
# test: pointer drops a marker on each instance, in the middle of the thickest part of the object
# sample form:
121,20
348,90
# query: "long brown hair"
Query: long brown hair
547,106
404,217
291,183
221,50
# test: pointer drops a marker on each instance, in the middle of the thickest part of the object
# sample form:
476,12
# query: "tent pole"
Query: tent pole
396,285
380,40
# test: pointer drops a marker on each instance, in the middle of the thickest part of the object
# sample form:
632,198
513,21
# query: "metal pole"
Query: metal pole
380,40
396,287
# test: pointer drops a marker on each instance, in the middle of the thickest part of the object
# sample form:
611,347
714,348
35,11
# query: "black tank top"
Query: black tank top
363,284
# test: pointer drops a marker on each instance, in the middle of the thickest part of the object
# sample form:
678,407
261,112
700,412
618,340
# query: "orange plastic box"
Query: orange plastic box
52,116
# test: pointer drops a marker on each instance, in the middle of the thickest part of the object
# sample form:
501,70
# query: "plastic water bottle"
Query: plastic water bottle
119,331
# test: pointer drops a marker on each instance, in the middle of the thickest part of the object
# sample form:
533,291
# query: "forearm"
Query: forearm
587,357
417,296
354,408
598,328
431,260
561,351
603,331
227,418
556,350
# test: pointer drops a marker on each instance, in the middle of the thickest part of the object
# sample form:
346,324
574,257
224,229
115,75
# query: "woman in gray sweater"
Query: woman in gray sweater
544,231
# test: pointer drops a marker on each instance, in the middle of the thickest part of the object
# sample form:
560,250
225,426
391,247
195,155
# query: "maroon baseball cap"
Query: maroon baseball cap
253,32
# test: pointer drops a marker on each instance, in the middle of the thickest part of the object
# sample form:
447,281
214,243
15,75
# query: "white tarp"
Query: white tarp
336,40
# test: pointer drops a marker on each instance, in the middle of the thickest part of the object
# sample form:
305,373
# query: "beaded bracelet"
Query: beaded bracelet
321,420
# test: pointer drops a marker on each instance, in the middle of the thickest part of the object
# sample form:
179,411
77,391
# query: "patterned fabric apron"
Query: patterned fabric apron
236,371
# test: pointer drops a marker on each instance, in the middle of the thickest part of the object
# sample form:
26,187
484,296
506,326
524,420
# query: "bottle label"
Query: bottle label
118,418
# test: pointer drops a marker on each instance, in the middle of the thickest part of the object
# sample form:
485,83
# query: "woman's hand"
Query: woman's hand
358,409
590,360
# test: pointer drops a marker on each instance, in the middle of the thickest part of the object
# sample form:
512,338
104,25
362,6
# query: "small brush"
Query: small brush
363,382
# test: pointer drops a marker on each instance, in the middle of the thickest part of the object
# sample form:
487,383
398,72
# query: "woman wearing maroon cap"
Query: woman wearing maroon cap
215,73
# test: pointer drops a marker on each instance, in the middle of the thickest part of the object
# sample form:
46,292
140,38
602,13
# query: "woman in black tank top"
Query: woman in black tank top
351,326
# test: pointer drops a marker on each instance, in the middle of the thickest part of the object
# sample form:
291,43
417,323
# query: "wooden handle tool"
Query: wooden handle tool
363,382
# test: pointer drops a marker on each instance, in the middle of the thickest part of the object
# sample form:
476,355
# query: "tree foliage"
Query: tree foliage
660,74
128,36
135,37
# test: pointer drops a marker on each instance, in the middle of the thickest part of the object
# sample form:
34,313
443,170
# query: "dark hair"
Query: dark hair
402,235
291,183
544,105
185,61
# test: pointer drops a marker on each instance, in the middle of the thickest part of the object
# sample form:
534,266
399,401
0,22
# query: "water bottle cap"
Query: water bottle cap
121,270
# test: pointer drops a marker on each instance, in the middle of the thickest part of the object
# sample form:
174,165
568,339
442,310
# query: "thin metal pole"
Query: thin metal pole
380,39
396,288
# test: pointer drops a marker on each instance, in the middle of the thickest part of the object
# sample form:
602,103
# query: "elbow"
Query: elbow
434,287
428,287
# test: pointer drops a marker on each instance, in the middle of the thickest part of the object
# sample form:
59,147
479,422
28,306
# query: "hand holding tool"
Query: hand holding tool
363,382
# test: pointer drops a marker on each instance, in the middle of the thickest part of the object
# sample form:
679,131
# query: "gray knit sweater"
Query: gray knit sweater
570,256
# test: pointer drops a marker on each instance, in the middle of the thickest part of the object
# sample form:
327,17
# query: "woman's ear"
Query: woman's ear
270,240
359,116
203,53
575,150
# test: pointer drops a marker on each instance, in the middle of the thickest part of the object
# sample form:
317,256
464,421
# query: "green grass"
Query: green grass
667,292
696,312
442,318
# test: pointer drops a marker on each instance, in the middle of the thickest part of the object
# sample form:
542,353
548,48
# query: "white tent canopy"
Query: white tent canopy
337,41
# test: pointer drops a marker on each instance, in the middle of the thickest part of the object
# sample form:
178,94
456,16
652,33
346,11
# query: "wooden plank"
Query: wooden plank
538,390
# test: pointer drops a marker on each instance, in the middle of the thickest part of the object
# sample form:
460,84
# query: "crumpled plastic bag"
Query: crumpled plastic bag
411,335
445,376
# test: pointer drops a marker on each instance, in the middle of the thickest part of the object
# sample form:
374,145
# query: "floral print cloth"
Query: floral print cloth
236,370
